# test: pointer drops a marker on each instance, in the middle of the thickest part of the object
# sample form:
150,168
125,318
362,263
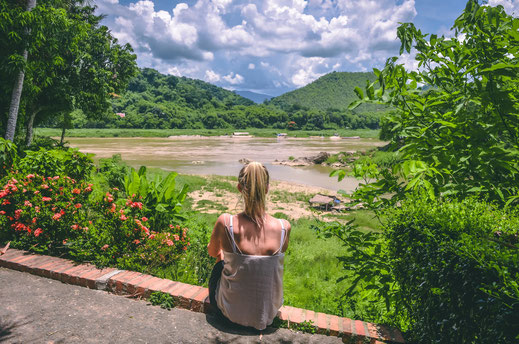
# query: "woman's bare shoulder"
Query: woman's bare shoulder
223,219
285,223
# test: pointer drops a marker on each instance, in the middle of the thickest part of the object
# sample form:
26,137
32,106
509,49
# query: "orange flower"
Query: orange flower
37,232
76,191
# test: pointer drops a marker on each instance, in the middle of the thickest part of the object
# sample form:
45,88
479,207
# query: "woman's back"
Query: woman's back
246,283
250,291
252,239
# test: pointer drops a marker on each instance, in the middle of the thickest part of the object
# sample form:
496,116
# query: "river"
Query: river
220,155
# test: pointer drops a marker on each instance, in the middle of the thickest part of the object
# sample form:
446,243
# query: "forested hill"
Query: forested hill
331,91
157,101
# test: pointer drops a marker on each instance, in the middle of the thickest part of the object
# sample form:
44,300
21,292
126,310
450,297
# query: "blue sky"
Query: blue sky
272,46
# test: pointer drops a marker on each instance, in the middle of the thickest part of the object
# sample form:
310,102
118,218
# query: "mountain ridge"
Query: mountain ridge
334,90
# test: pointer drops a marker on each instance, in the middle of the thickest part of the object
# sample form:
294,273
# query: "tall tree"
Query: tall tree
74,63
18,87
94,67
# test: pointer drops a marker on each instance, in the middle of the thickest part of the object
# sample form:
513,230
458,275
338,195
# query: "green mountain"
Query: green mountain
331,91
157,101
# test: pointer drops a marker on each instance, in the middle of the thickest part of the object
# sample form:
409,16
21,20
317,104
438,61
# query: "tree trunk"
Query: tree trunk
17,90
29,132
63,135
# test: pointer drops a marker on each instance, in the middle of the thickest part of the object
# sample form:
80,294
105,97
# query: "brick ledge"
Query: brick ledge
187,296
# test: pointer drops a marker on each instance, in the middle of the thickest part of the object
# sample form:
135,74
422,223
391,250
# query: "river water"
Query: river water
220,155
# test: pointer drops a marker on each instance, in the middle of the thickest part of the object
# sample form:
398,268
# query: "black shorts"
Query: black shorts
216,274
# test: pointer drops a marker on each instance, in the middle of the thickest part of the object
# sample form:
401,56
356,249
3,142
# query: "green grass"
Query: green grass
222,184
208,204
364,133
289,197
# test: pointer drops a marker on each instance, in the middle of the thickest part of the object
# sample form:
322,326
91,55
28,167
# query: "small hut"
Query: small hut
323,201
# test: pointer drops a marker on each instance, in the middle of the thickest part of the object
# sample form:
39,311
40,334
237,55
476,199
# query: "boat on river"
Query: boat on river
241,134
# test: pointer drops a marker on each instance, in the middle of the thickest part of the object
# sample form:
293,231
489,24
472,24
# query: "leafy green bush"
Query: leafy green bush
8,155
161,201
58,215
457,266
114,170
57,162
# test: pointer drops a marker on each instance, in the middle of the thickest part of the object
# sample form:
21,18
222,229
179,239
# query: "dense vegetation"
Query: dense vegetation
157,101
55,58
447,260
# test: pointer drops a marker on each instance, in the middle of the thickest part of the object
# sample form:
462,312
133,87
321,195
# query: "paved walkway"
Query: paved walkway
34,309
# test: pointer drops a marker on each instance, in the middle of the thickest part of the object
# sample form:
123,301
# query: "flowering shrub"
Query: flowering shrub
57,215
162,248
44,213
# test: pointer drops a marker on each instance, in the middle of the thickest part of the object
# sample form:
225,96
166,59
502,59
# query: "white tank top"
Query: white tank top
250,291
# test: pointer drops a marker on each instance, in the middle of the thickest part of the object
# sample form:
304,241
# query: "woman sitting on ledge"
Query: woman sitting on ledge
246,284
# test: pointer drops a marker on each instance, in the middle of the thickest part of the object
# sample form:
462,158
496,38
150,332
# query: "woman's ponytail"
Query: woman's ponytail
254,181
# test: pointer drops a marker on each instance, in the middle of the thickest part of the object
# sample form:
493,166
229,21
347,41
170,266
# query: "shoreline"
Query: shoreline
202,133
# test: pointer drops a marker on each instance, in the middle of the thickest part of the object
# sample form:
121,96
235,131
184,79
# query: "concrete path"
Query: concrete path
34,309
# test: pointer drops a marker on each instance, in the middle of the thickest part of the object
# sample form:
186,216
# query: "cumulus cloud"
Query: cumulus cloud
211,76
233,79
301,40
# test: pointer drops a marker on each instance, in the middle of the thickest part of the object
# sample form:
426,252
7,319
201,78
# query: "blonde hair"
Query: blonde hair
254,181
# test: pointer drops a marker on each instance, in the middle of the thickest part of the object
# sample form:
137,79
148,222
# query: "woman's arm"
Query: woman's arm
215,244
288,228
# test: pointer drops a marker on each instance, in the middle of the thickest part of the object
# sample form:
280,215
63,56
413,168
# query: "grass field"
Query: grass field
364,133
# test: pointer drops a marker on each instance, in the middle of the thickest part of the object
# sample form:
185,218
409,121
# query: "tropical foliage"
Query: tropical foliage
447,258
60,208
458,134
69,62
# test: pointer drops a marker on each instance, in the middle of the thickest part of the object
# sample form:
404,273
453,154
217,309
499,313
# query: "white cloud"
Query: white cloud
289,36
307,70
409,61
234,79
211,76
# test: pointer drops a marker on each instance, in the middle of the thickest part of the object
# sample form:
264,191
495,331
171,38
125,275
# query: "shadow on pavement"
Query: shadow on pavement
224,325
7,327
